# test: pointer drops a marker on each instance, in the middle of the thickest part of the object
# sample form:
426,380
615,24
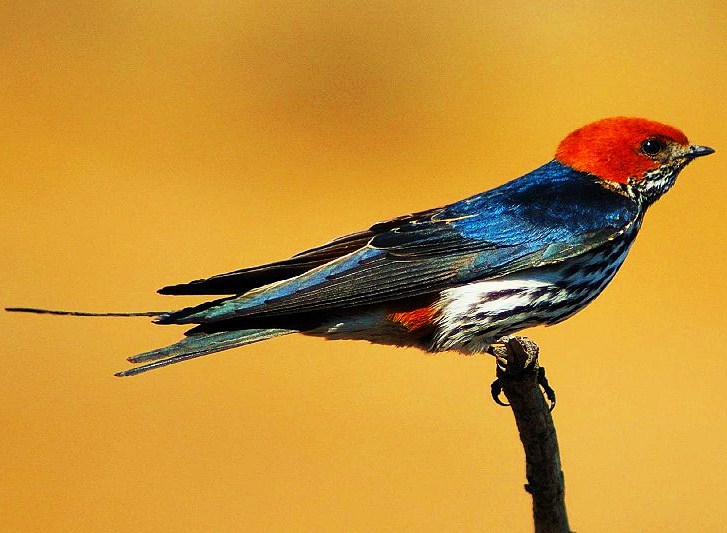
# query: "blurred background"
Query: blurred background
148,143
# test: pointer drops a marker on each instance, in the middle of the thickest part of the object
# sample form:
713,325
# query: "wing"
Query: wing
545,217
241,281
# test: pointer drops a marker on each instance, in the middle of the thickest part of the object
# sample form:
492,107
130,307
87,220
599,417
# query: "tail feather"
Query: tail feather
78,313
199,345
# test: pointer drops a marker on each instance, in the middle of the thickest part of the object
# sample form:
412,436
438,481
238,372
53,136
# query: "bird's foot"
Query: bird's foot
517,357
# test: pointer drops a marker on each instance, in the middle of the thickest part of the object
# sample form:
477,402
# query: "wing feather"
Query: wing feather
242,280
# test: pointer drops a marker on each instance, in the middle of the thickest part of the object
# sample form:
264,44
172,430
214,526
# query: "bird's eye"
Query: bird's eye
651,147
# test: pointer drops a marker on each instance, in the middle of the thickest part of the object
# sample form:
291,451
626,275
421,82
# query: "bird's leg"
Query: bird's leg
517,357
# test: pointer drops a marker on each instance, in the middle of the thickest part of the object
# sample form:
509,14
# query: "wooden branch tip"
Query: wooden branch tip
520,378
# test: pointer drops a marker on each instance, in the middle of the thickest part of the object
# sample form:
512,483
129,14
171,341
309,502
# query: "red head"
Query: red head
620,148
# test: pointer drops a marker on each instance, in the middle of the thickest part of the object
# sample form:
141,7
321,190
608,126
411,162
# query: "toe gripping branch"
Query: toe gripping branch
517,358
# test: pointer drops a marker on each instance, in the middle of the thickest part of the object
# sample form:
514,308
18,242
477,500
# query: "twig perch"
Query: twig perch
520,377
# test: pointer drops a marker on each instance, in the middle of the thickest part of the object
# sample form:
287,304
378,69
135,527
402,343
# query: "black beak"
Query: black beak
698,151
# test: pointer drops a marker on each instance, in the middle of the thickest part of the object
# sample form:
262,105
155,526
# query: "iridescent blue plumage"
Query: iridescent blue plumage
553,197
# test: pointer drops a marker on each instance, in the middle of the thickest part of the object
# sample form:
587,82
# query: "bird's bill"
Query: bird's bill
698,151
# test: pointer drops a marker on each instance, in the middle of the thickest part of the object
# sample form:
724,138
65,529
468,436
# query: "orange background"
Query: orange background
147,143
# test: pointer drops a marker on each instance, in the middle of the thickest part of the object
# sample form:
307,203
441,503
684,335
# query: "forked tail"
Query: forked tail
195,345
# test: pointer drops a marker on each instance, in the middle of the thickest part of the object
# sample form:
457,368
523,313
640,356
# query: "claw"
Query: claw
547,389
495,390
524,353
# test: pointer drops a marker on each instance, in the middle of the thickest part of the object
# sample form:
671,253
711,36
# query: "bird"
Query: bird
462,277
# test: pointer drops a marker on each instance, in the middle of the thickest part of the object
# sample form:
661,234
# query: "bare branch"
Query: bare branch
520,379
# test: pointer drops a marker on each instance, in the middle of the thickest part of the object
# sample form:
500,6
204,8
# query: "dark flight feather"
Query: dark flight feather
242,280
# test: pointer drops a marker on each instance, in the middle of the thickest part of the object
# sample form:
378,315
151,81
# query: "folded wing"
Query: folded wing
486,236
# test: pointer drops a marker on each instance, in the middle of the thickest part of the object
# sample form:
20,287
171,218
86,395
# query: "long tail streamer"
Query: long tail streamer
77,313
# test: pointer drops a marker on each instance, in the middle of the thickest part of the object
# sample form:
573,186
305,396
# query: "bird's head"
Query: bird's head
638,156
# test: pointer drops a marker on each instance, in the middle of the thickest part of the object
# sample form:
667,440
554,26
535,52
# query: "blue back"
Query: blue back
552,202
